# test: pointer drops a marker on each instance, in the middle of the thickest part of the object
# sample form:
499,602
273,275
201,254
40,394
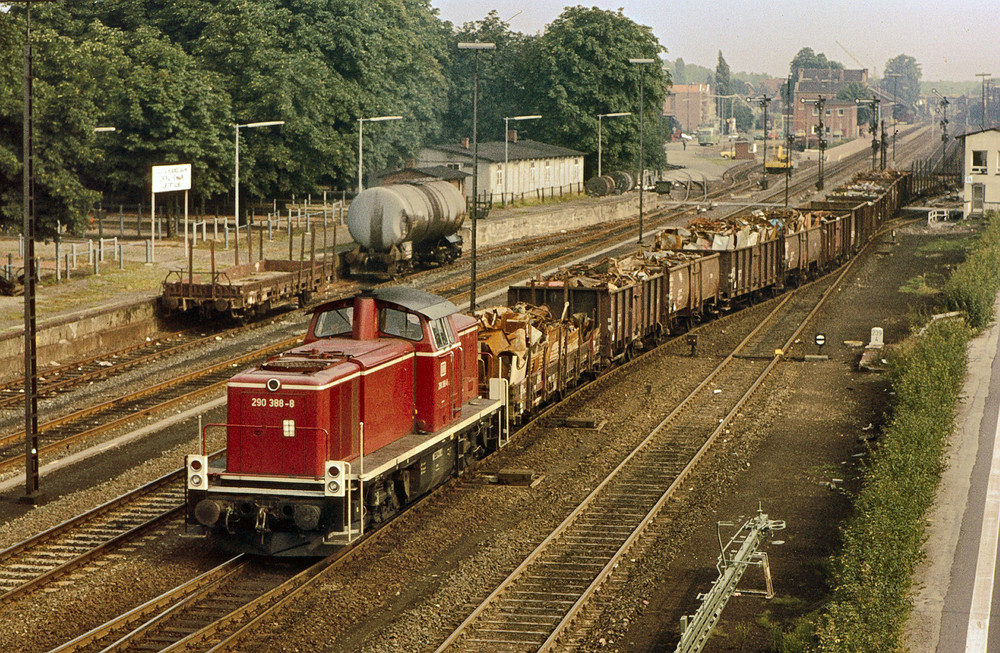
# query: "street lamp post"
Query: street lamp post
361,122
476,47
642,102
600,139
763,100
236,195
506,142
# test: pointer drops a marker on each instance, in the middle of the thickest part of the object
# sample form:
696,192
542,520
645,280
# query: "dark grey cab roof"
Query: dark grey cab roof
419,301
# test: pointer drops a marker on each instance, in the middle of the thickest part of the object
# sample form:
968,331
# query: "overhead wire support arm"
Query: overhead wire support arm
696,629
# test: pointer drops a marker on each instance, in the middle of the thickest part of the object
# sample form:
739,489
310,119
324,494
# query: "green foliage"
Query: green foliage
907,85
580,67
858,91
974,284
807,58
883,540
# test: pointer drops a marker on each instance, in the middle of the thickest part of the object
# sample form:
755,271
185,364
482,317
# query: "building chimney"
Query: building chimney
465,142
511,135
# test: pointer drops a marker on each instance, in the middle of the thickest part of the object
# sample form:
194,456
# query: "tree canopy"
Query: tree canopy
175,78
902,79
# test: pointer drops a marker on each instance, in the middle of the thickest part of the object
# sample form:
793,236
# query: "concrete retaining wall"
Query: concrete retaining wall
80,334
539,221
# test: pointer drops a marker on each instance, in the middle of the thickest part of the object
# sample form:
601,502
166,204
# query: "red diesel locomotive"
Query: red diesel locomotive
379,405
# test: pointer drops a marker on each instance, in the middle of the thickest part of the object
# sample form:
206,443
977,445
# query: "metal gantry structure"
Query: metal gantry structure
740,552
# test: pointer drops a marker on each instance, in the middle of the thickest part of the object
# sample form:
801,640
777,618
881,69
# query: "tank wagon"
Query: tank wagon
404,225
395,391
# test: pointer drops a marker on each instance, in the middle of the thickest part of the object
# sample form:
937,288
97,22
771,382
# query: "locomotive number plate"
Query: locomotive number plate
271,402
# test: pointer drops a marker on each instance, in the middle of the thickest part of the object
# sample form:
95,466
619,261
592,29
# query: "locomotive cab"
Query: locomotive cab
375,408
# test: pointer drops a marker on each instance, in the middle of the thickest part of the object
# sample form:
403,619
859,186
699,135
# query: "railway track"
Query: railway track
748,366
52,554
537,605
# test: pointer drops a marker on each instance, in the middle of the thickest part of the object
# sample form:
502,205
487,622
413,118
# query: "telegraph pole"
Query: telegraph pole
31,477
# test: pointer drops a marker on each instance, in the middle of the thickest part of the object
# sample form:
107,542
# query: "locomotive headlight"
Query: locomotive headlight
197,467
335,474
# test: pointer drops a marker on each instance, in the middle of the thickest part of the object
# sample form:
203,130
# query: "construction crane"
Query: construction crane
856,60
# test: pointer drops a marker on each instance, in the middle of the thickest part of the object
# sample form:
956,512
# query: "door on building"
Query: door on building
978,199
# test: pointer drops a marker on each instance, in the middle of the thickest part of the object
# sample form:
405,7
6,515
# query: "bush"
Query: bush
883,540
974,284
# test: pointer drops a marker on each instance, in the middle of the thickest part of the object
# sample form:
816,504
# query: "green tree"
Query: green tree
580,67
65,103
807,58
857,91
679,72
907,85
723,87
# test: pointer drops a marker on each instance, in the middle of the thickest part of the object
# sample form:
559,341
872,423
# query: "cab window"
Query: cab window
394,322
335,322
442,333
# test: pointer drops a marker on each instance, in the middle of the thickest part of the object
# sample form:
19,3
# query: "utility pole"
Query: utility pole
31,475
984,121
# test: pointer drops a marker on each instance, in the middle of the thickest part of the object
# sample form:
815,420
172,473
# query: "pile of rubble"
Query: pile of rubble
738,231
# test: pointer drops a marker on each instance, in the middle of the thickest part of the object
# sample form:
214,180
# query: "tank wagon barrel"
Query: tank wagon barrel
400,225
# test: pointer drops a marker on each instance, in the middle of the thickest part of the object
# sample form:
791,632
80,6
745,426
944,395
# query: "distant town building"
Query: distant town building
981,171
691,105
840,117
534,168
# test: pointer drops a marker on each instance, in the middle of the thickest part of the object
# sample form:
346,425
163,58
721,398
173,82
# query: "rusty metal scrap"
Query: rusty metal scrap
866,185
738,231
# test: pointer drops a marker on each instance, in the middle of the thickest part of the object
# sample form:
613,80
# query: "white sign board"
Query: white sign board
171,178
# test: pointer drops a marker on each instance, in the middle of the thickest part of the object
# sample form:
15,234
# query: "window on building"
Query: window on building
815,111
453,166
840,112
979,164
532,178
548,173
828,112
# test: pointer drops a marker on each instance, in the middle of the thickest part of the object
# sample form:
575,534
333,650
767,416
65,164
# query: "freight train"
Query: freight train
395,391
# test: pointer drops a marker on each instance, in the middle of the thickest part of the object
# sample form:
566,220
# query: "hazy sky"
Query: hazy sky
951,39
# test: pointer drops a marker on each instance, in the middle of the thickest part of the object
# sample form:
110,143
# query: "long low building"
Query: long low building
532,168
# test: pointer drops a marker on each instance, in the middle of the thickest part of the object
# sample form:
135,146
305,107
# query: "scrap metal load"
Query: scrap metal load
632,300
866,185
539,356
739,231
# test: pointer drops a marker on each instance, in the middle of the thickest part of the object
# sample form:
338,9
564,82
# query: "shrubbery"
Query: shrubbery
973,285
883,541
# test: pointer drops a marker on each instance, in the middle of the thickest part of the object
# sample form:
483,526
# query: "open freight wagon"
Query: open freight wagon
632,301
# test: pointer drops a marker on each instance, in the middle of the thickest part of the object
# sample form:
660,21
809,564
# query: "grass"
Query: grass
941,246
919,285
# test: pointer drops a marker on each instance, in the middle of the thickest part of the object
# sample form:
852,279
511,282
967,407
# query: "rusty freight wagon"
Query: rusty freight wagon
245,291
